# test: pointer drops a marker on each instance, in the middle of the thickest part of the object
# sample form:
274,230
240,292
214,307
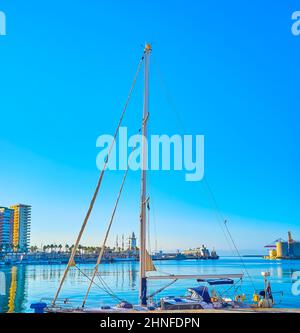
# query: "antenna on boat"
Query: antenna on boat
143,279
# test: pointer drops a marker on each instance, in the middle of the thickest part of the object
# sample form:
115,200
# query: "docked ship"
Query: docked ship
200,253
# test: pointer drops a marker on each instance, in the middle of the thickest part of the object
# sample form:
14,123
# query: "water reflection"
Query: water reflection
125,275
27,284
14,291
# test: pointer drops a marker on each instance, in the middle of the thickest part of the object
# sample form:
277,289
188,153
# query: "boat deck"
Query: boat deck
198,311
252,310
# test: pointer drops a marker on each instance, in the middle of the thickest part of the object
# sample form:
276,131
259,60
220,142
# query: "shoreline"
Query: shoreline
86,262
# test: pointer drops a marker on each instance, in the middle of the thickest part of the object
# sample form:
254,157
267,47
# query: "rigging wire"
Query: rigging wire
103,289
104,283
152,210
150,193
218,213
154,227
181,126
108,290
162,288
148,226
235,286
72,256
109,227
238,252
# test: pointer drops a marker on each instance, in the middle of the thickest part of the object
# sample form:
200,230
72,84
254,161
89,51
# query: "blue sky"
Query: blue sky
229,69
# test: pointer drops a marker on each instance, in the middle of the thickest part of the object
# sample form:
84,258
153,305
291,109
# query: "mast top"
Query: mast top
148,48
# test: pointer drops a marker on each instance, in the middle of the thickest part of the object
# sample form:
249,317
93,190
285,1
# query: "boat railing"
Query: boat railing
60,303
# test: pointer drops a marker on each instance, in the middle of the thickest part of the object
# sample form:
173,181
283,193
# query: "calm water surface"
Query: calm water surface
22,285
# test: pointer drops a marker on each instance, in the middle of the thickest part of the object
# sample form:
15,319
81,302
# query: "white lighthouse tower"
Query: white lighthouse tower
133,246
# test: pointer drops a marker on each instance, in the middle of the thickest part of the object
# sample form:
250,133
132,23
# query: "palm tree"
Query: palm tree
72,247
33,248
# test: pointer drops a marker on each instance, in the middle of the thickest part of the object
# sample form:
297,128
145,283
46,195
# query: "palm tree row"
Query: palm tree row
67,248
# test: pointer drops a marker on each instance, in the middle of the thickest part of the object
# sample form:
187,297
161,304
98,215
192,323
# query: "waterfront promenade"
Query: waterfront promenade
87,258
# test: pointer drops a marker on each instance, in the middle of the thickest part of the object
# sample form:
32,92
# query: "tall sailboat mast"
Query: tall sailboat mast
143,280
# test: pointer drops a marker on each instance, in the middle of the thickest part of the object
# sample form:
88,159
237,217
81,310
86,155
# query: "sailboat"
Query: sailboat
198,297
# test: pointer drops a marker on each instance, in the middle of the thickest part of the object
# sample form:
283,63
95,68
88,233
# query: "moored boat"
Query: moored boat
199,297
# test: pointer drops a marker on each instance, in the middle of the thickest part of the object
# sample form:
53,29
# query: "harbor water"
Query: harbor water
22,285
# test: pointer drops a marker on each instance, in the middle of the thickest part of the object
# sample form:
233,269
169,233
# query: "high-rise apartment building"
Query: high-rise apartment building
6,222
21,227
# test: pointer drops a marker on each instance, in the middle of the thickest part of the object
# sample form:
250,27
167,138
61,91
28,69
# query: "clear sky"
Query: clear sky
231,71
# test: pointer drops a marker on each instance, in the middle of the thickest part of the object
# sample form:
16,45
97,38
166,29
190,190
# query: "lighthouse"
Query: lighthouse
133,246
